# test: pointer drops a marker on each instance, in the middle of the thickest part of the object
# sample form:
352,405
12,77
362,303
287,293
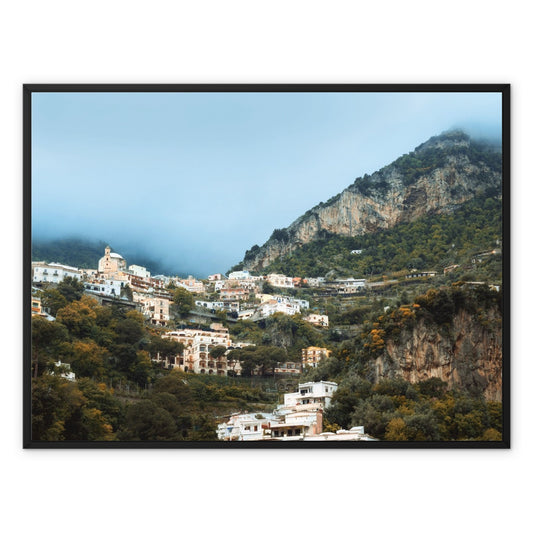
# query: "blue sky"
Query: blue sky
195,179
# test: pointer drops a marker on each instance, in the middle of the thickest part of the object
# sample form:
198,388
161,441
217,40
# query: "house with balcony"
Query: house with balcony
234,293
310,393
53,272
155,307
313,355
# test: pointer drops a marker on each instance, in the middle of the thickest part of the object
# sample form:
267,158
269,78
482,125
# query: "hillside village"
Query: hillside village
298,418
207,345
238,295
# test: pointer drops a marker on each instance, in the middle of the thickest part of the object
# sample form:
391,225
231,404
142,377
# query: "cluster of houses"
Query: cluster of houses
299,418
114,281
239,293
198,348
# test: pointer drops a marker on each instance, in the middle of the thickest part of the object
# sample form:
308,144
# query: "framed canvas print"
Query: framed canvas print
281,266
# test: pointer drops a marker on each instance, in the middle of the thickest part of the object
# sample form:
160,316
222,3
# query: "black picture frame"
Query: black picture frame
30,89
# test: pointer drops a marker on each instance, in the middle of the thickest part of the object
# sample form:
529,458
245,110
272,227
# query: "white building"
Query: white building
351,282
63,370
229,305
356,433
298,423
302,304
248,426
107,287
279,280
246,314
269,308
140,271
53,272
311,393
240,275
318,320
298,419
294,420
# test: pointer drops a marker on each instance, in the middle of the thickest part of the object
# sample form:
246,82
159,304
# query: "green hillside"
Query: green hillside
431,242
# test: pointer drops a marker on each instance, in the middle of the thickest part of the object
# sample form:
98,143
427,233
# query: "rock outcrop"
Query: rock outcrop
468,356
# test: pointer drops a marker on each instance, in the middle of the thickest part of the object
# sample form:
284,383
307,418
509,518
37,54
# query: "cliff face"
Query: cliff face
469,356
437,177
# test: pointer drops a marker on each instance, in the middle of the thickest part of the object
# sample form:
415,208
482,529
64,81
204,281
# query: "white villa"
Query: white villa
240,274
53,272
107,287
311,393
243,427
139,271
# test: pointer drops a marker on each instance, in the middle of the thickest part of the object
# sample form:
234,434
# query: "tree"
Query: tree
79,317
396,430
123,357
217,351
48,339
56,409
140,371
166,348
268,288
71,289
432,387
175,384
129,331
53,301
183,300
88,359
146,421
66,291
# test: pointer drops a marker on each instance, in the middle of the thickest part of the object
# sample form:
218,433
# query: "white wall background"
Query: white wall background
276,41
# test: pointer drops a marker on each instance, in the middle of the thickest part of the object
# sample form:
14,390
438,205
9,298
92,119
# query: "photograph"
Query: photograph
266,266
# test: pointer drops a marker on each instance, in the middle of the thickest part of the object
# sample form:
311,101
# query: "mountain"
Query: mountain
438,177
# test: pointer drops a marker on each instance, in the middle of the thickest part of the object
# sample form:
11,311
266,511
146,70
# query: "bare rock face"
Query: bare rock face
391,196
468,357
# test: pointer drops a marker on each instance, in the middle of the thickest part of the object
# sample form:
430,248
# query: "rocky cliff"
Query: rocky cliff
437,177
468,356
